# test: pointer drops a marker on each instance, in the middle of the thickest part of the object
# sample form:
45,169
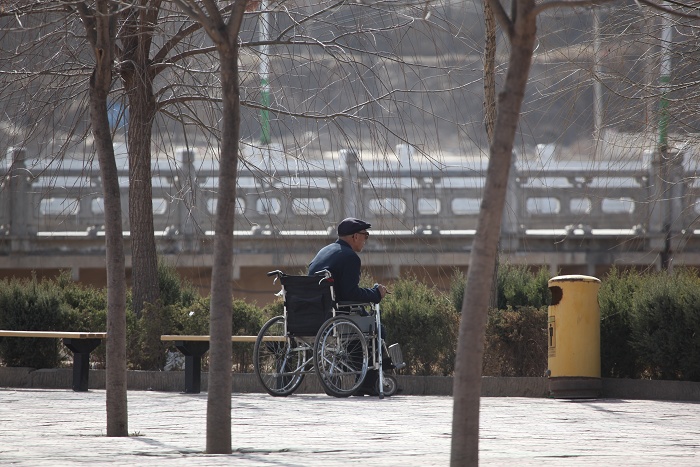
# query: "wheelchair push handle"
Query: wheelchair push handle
324,272
325,275
277,273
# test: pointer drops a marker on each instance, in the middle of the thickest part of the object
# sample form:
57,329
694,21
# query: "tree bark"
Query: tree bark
220,384
470,349
489,71
136,37
101,32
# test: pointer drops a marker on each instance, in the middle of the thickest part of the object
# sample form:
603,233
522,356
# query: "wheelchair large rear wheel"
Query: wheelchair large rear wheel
279,364
340,356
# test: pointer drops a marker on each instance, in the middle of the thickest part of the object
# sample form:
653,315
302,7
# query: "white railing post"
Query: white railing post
511,211
19,193
352,185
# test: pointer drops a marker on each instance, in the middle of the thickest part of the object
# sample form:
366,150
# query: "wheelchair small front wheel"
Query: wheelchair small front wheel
340,356
390,386
279,363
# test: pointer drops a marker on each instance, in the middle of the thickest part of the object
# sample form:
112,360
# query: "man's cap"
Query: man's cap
351,226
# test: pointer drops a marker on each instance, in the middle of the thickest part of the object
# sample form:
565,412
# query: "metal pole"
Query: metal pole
264,73
664,169
597,87
664,80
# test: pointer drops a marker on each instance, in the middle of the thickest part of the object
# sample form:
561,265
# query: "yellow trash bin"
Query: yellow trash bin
573,333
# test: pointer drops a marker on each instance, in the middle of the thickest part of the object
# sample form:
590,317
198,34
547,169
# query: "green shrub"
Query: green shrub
32,306
425,324
273,309
173,289
516,342
516,337
650,323
87,311
247,320
665,331
192,319
88,304
457,285
516,286
133,340
616,299
170,315
147,351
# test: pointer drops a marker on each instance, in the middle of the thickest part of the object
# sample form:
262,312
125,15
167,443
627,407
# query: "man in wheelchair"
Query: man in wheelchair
325,328
342,260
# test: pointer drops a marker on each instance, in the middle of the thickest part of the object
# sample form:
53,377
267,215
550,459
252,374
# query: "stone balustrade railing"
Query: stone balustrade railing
409,195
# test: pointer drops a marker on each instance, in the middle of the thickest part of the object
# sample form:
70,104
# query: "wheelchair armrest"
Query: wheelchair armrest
353,307
353,304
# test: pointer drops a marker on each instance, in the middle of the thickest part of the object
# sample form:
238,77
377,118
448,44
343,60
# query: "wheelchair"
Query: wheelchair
338,341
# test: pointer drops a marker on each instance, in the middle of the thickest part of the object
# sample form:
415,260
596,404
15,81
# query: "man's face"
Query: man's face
358,240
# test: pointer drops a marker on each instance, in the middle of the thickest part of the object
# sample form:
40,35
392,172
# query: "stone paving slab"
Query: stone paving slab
40,427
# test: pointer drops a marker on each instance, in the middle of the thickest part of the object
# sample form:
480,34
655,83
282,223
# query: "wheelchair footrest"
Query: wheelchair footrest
396,356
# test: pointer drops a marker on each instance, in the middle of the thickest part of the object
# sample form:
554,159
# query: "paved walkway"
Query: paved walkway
63,428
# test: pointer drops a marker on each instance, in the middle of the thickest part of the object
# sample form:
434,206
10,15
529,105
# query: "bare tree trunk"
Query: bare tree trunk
220,385
144,260
100,31
225,36
489,71
136,37
224,33
470,349
490,45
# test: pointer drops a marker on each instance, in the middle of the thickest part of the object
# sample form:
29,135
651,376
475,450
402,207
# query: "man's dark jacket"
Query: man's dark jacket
344,264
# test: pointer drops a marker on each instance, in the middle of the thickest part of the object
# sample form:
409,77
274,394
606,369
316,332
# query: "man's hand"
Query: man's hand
382,290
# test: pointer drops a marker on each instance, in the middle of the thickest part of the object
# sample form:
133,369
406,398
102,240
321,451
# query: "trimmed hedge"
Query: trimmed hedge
662,332
617,354
650,323
33,305
516,342
516,331
425,324
516,286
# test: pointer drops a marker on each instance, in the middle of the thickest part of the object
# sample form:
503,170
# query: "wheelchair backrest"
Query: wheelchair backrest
307,303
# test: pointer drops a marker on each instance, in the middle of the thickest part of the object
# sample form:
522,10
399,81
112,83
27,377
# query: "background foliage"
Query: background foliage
650,323
425,324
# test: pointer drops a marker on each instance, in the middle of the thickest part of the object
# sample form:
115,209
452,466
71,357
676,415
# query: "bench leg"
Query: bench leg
81,349
193,352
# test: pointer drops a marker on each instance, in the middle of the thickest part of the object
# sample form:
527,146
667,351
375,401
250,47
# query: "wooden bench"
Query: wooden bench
194,347
80,343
